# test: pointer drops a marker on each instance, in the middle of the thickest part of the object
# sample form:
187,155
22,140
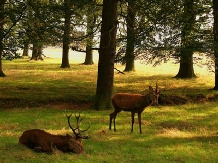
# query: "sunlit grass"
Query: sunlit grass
180,136
184,133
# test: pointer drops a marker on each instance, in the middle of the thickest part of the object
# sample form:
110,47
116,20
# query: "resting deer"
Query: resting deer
41,141
134,103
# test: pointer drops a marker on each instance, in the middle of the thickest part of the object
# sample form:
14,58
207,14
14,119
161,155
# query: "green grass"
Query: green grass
185,133
38,94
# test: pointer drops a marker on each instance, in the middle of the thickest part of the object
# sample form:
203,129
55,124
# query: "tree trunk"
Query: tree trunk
215,32
66,37
129,56
1,35
89,56
37,52
186,69
106,55
89,41
26,49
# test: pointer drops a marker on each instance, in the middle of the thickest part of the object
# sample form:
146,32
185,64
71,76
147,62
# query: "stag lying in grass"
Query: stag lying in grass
134,103
41,141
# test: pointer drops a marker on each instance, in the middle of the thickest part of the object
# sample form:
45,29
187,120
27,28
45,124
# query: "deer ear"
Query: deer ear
150,88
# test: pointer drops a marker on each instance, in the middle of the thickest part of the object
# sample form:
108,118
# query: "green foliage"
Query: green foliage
160,26
13,13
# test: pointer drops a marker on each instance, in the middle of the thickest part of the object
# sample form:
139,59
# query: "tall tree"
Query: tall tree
106,55
2,3
215,33
66,36
186,69
89,40
129,55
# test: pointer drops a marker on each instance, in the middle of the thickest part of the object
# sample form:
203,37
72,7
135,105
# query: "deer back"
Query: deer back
135,102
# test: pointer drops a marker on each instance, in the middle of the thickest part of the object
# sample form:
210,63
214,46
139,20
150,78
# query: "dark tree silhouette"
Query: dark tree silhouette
66,37
215,32
186,69
106,55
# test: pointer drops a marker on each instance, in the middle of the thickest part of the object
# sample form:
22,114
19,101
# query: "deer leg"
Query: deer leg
110,121
46,149
140,122
132,114
113,117
114,122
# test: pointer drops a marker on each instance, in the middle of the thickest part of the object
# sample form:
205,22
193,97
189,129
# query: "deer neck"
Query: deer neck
147,100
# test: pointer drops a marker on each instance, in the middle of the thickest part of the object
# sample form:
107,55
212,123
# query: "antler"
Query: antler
77,132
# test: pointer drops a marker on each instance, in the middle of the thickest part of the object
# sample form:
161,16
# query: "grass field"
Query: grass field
37,94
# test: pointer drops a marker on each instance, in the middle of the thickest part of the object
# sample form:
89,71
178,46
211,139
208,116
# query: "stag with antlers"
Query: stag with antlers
42,141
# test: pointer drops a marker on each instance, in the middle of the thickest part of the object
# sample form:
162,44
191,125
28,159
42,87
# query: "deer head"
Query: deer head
154,94
77,145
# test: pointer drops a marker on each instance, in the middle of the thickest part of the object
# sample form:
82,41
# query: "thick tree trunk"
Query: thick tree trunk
66,37
89,56
1,35
106,55
186,69
26,49
215,32
129,56
37,52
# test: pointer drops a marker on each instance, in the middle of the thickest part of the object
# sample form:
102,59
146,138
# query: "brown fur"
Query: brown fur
134,103
41,141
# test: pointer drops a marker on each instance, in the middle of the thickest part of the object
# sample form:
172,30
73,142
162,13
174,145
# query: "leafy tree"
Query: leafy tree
106,55
85,42
89,41
66,36
11,12
92,27
77,38
129,54
167,29
186,69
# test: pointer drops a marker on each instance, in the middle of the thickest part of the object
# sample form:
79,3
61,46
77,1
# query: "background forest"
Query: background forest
122,32
103,48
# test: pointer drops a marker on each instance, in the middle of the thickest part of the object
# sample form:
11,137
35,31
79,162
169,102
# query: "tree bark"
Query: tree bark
89,56
186,69
26,49
106,55
37,52
89,41
215,33
2,3
129,56
66,37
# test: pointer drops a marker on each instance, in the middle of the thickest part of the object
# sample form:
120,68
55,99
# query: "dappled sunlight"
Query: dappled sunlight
175,133
74,57
6,133
62,131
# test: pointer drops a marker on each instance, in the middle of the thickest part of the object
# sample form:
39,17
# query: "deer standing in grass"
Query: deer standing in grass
134,103
41,141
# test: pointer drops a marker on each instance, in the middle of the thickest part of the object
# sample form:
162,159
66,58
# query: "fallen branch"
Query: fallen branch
119,71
